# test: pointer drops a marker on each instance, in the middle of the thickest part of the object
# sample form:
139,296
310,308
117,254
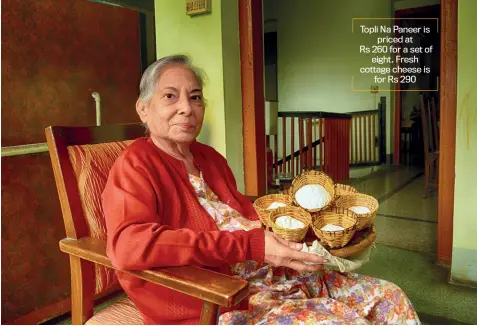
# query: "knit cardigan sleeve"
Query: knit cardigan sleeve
138,239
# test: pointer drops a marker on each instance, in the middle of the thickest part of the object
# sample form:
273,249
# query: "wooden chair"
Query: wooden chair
81,159
431,152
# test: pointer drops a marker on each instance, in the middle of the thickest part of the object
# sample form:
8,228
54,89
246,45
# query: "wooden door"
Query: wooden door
54,55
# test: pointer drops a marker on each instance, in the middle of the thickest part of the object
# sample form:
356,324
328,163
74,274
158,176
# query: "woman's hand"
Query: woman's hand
279,252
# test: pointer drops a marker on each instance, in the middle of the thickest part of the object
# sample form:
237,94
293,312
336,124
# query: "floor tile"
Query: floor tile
406,234
409,202
386,181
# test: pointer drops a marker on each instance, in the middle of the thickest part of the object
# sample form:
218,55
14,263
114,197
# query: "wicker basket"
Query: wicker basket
296,235
358,199
262,203
343,190
336,216
313,177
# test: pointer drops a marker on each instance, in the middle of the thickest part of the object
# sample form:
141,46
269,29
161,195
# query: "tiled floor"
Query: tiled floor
407,241
406,219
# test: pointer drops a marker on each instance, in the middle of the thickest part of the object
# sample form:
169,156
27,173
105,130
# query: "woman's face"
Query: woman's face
176,110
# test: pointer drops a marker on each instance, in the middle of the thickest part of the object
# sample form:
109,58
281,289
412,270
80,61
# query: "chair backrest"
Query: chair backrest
81,159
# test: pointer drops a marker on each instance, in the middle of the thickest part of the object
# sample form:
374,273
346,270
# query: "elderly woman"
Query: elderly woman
172,201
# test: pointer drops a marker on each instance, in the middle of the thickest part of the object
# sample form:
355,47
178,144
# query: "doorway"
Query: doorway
408,125
251,36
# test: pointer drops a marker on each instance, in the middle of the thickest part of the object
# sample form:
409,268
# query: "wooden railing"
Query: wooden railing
364,134
368,136
312,140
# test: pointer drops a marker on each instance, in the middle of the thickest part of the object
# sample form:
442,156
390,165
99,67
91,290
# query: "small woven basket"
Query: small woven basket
261,206
343,190
358,199
339,217
297,213
313,177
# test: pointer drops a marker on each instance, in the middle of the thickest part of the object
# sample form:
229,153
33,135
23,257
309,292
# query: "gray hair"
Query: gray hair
151,76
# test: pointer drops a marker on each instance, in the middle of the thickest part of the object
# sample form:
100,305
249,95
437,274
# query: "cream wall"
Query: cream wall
212,42
464,254
318,55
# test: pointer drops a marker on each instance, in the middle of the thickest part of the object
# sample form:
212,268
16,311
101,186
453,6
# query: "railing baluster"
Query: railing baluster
355,136
343,139
370,141
365,140
322,144
292,146
315,137
373,140
309,141
350,142
361,140
301,143
284,144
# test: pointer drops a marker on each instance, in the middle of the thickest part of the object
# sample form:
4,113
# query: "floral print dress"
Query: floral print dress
286,297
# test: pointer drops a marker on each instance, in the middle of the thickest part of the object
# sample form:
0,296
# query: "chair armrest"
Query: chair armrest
201,283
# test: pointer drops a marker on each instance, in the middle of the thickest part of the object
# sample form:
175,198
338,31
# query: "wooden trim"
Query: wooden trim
448,112
253,99
365,112
314,114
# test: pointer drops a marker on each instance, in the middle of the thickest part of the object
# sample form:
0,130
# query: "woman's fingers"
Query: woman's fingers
280,252
306,257
302,267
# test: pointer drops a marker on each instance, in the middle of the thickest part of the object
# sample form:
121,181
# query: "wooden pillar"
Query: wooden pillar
253,100
448,112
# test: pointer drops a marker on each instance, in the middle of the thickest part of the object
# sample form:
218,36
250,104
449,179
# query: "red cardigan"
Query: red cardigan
154,219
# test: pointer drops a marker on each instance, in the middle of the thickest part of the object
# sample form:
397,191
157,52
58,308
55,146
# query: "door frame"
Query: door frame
253,98
447,133
251,52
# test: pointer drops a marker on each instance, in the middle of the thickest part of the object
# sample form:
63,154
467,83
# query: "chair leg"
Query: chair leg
209,313
82,292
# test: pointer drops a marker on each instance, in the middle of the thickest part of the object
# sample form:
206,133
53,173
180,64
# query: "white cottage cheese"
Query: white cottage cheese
360,209
312,196
288,222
